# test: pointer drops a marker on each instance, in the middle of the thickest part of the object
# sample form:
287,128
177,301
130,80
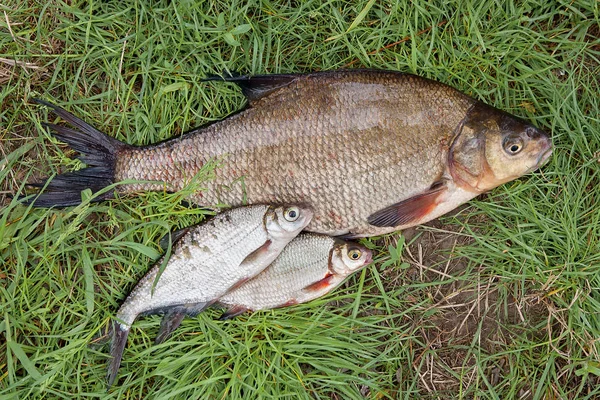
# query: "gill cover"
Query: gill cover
493,147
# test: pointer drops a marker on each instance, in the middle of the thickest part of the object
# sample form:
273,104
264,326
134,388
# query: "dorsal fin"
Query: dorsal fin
257,86
173,236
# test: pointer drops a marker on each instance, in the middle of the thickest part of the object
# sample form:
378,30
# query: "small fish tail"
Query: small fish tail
119,340
98,151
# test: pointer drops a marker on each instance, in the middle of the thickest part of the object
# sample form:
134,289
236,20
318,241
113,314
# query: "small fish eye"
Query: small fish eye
513,146
354,254
291,214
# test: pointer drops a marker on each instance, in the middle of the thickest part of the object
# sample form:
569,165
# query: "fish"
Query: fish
370,151
207,261
309,267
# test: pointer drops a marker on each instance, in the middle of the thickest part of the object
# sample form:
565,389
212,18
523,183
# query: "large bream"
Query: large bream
370,151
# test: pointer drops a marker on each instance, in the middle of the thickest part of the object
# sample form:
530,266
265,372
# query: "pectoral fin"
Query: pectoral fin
255,255
410,210
291,302
320,284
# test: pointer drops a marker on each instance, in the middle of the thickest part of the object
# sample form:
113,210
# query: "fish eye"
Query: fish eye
291,214
513,145
354,254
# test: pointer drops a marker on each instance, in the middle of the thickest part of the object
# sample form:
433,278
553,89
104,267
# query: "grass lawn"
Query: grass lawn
500,300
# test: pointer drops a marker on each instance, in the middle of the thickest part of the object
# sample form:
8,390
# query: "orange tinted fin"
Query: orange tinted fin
410,210
320,285
288,303
232,312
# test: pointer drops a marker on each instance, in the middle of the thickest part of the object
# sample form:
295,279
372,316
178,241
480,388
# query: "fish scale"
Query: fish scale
309,267
348,123
370,151
222,249
207,261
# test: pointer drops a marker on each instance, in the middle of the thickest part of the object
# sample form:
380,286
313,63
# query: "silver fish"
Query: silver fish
309,267
208,261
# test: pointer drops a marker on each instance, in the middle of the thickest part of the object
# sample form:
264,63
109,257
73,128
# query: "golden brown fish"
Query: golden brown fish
370,151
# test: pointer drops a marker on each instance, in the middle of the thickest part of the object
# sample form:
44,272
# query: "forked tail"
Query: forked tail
119,340
98,151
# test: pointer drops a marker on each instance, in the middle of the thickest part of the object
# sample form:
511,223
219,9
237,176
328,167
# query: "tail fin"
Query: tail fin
99,153
119,340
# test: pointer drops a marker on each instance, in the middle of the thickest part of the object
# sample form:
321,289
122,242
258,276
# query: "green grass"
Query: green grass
530,251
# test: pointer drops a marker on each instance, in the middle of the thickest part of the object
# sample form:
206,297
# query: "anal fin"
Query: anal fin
410,210
173,318
168,324
233,312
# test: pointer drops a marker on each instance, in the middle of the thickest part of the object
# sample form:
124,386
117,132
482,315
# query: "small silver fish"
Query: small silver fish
309,267
208,261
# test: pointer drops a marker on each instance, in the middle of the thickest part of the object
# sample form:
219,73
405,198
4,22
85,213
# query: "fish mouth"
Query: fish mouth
543,158
369,259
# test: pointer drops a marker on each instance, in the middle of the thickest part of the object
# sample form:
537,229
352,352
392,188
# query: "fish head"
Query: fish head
494,147
348,257
287,221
